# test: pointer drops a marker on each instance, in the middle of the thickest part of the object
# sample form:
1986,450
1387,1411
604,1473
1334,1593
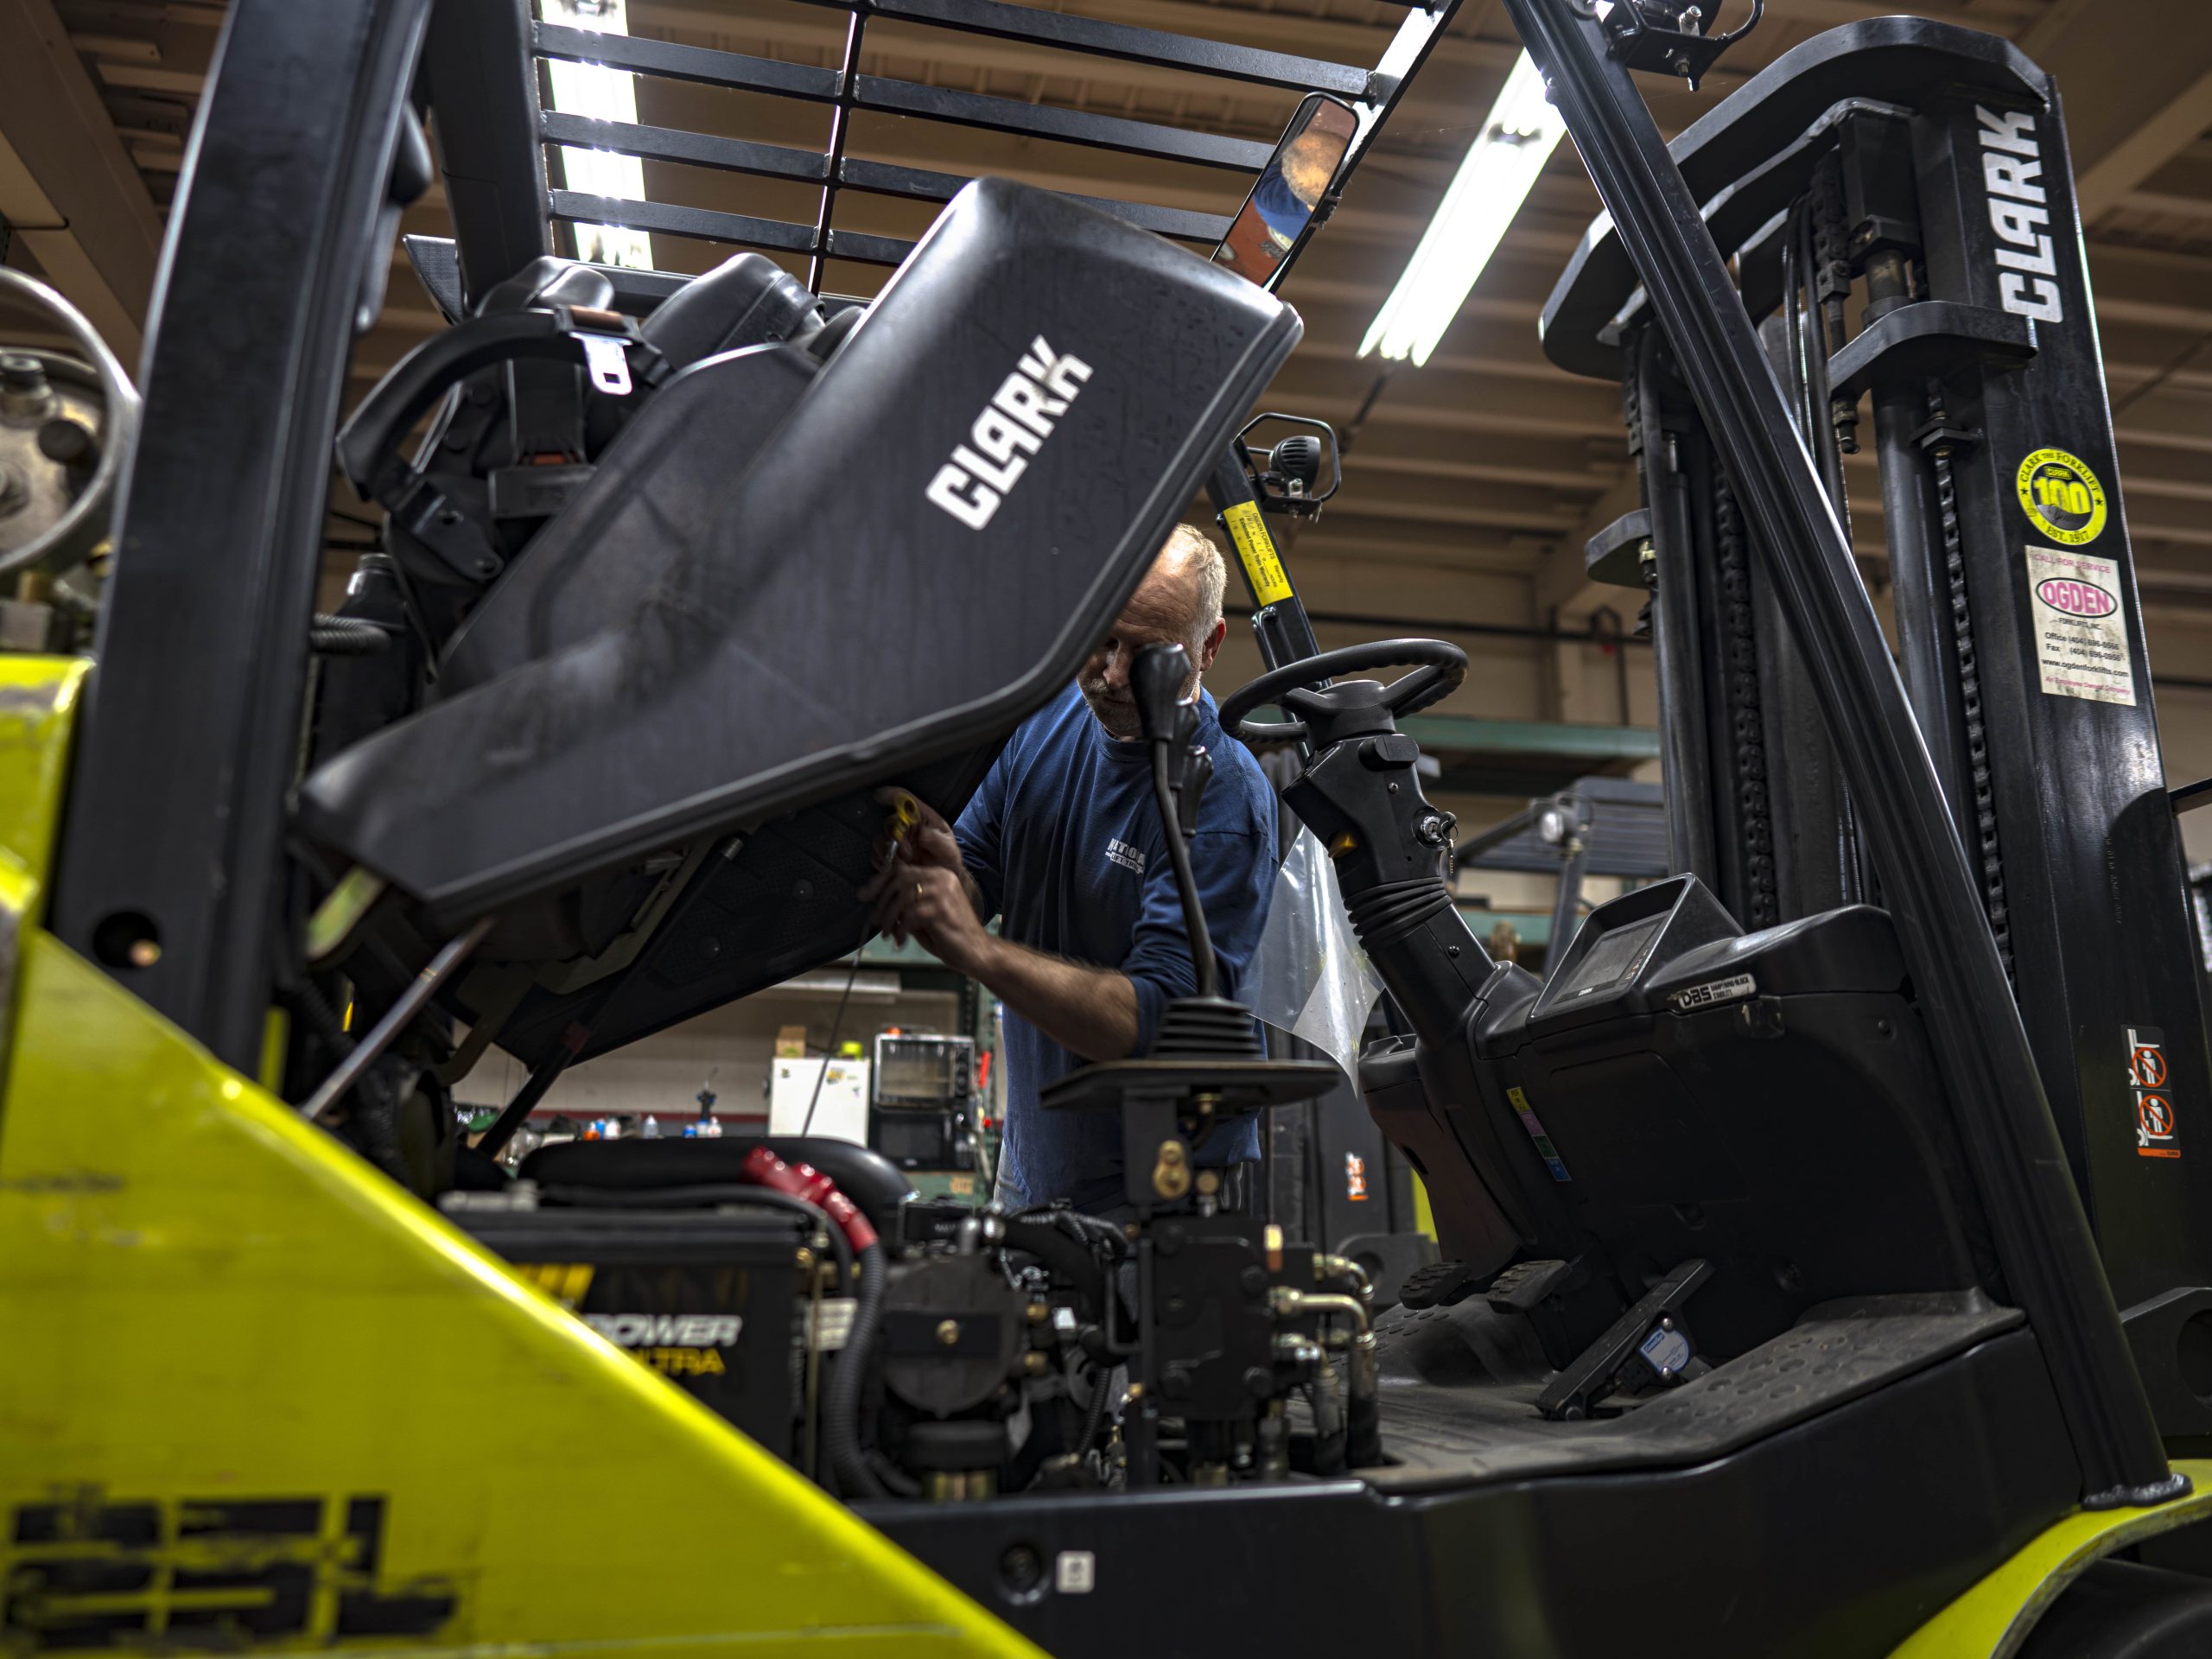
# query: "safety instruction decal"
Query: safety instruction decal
2156,1134
2062,497
1545,1149
1256,550
2080,631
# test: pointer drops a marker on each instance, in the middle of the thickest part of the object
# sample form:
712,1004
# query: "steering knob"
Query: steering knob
1156,683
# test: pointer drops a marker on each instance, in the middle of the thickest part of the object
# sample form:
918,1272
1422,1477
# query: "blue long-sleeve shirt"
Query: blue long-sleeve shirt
1066,842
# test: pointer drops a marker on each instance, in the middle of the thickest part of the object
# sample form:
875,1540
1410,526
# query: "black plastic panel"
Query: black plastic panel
821,623
1765,1102
1835,1537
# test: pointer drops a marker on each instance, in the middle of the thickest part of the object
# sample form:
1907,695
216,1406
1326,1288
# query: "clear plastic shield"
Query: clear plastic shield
1310,977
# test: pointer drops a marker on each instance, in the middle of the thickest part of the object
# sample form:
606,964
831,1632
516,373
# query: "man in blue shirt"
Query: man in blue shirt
1064,843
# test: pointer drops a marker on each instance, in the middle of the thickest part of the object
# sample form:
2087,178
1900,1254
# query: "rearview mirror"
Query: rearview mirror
1289,191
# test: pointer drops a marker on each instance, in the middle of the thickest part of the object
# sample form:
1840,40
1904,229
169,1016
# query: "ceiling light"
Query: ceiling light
1516,140
601,94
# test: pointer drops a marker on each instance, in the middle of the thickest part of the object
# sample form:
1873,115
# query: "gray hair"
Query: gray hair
1189,543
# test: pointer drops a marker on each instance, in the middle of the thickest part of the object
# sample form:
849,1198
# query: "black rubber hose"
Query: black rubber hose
1362,1431
841,1417
346,636
1186,887
1066,1258
1102,1379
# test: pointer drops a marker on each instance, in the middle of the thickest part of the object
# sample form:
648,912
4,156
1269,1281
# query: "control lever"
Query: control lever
1179,771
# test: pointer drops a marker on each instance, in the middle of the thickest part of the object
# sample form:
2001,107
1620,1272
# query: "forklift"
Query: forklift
1778,1306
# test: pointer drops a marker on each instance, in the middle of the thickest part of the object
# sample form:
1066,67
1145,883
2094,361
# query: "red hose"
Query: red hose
763,1168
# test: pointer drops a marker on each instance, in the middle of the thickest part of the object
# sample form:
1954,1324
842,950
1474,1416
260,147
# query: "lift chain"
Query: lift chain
1755,813
1985,847
1830,279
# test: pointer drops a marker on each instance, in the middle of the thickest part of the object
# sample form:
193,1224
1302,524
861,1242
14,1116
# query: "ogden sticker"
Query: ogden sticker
2081,633
2062,497
2157,1134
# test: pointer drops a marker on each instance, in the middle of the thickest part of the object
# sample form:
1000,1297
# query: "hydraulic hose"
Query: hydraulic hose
346,636
1329,1439
1363,1417
1094,1418
1362,1406
840,1415
1039,1236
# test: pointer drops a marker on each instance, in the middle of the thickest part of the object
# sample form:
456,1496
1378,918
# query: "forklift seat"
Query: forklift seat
789,581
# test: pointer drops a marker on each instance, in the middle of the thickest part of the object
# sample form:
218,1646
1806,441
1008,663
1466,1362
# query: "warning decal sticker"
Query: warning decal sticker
1256,550
2061,497
2155,1132
1545,1149
2081,631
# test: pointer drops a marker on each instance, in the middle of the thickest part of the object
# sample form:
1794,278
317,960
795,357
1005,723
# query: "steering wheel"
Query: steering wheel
1437,668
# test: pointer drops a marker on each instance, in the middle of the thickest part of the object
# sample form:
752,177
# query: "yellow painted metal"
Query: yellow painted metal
38,696
1994,1618
1424,1217
205,1304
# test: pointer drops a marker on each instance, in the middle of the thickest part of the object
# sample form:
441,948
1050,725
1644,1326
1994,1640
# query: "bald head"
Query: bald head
1179,602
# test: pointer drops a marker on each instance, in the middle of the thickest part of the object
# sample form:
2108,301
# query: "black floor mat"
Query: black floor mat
1481,1425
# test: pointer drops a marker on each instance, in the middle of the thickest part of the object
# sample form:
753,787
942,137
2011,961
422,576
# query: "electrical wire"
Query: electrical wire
836,1024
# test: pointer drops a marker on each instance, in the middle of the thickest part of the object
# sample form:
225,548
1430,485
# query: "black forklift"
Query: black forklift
1778,1306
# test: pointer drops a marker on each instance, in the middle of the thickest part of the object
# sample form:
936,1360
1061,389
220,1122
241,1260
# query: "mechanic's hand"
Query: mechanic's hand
930,844
932,905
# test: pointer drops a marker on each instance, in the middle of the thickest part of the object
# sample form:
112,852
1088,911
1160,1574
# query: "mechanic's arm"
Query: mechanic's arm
1091,1011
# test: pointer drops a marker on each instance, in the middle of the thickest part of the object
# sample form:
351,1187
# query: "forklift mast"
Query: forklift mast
1915,178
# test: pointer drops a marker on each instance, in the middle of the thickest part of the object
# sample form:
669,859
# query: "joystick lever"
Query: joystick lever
1156,682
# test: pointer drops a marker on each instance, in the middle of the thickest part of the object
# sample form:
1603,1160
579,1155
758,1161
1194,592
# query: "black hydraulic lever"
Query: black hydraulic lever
1156,682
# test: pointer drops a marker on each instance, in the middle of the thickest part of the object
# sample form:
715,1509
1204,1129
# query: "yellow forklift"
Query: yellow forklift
1770,1319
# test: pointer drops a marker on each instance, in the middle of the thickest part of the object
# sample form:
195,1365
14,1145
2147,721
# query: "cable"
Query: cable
346,636
840,1432
1095,1418
1186,887
830,1051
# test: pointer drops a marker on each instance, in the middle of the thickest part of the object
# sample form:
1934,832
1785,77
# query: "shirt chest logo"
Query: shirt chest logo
1130,858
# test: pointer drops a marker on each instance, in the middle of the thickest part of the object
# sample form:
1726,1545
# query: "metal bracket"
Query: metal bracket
1577,1388
1930,337
606,359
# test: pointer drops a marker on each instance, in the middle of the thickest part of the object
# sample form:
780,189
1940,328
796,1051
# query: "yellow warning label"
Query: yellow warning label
1262,568
2062,497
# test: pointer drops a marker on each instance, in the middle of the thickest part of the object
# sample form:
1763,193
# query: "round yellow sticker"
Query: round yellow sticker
2062,497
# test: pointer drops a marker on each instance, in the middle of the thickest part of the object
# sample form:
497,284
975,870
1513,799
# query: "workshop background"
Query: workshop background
1471,483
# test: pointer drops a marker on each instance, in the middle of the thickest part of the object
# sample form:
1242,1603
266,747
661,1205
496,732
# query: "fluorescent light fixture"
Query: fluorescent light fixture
603,95
1517,139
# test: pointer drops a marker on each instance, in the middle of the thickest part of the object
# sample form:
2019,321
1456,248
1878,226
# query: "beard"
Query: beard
1118,714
